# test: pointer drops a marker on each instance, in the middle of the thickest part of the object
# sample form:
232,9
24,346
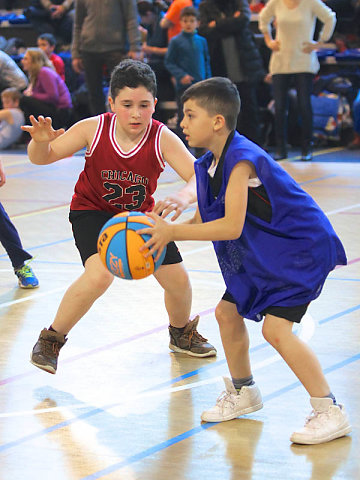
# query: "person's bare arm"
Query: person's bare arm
228,227
180,159
2,174
48,145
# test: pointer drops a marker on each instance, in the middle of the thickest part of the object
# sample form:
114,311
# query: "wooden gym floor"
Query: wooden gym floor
121,405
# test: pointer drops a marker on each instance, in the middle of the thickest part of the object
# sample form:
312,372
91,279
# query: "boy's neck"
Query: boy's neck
218,143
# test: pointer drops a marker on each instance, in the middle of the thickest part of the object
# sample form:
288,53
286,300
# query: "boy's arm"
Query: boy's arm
6,116
228,227
180,159
2,174
48,145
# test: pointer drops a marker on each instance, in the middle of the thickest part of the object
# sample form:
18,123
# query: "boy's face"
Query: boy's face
134,108
45,46
9,102
197,125
189,24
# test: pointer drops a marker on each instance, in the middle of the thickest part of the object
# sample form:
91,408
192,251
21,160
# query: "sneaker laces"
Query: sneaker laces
316,419
51,346
195,335
25,270
224,398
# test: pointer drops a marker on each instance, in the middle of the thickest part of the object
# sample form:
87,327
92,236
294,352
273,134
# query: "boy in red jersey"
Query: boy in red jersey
126,151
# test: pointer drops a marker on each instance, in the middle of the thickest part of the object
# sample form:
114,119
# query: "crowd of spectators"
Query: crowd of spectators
79,43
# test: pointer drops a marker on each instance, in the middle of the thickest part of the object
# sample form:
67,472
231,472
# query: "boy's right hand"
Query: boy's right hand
41,130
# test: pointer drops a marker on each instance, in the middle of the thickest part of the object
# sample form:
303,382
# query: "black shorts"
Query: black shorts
293,314
86,226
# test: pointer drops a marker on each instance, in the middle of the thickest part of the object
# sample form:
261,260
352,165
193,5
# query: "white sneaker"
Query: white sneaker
232,404
326,422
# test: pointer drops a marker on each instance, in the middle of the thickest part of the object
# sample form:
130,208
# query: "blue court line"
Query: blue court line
320,179
337,315
44,245
95,411
179,438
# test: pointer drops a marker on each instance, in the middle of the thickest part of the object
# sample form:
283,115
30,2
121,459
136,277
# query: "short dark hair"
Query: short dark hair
189,12
49,37
216,95
132,74
144,7
12,93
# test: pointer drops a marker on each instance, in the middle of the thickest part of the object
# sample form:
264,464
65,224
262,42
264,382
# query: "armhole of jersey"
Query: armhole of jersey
157,147
96,138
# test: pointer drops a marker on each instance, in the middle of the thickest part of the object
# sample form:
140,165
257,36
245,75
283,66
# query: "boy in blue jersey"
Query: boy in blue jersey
275,248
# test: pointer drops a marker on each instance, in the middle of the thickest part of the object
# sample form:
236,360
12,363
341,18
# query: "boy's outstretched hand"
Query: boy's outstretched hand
172,203
161,235
41,130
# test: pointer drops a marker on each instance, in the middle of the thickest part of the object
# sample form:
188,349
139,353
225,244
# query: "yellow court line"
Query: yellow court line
38,212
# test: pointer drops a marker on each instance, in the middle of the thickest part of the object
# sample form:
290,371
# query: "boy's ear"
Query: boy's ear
111,103
219,122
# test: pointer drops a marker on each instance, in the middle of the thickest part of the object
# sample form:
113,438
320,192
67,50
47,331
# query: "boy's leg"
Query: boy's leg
297,354
81,295
77,300
10,240
235,339
328,420
246,397
184,337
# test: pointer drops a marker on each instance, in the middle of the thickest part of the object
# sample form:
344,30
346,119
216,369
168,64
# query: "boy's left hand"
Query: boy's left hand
172,203
160,236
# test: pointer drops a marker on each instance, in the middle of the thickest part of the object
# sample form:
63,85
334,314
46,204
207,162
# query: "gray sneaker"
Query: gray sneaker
190,341
46,350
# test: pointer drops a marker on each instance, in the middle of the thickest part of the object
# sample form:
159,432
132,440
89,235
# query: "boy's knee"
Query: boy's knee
223,316
101,281
272,334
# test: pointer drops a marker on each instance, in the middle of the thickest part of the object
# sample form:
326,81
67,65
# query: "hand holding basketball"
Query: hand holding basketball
121,246
160,235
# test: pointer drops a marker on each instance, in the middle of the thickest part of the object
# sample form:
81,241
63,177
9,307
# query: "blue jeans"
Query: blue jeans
303,83
10,240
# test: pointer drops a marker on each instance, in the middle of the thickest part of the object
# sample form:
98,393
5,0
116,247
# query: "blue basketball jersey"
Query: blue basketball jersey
281,262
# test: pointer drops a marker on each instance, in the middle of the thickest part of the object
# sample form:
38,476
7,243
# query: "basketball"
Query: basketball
119,243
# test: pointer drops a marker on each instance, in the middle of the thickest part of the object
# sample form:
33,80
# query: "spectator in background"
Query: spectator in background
171,20
47,43
294,61
52,16
11,118
234,54
187,58
47,93
355,144
10,74
104,34
154,48
10,240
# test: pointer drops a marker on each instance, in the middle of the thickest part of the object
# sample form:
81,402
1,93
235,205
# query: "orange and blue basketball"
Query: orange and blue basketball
119,243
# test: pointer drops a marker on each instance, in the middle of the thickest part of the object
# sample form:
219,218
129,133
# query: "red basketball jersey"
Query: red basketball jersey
117,181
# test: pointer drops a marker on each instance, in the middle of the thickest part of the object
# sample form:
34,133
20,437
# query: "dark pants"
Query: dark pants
248,123
10,240
33,106
42,22
93,64
303,83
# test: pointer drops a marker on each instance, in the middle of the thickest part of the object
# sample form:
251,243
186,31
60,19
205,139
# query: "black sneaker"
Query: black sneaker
190,341
46,350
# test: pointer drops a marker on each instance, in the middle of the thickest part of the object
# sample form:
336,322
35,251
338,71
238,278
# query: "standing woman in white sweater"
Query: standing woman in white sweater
294,61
